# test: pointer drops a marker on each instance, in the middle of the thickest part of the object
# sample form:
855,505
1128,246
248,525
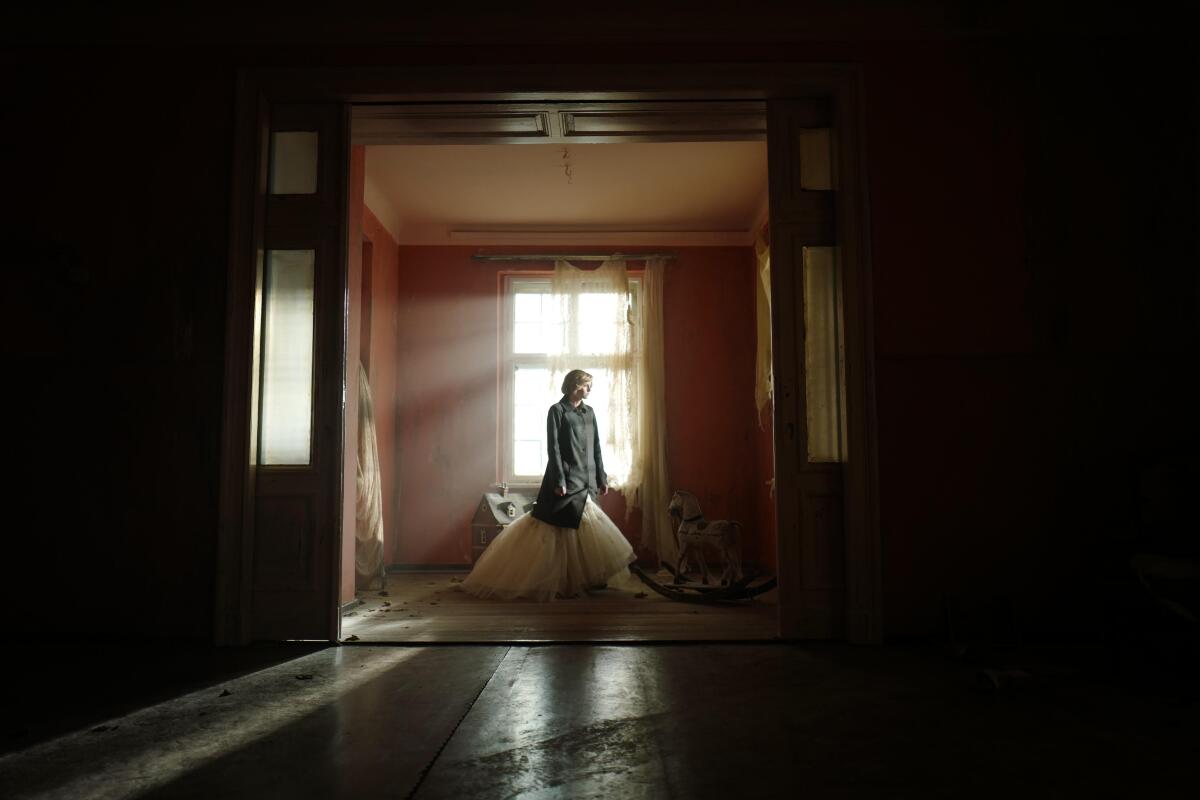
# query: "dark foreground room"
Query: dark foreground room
598,721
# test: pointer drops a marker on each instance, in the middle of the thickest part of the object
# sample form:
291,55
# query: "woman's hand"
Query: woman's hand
560,491
603,490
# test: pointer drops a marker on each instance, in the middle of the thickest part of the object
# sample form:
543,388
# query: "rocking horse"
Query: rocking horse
694,536
697,534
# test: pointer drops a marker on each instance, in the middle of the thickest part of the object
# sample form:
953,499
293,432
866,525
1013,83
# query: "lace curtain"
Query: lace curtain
764,382
651,492
368,512
599,334
618,337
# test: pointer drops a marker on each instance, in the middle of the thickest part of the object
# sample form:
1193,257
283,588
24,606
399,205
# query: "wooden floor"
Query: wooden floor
430,607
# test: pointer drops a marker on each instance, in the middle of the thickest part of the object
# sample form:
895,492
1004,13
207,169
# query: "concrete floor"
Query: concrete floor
583,721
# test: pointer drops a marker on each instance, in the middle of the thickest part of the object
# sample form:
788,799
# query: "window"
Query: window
537,341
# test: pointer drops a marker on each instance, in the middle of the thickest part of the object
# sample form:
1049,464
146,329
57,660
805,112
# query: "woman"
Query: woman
566,544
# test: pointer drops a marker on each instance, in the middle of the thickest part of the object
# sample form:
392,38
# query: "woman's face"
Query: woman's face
583,390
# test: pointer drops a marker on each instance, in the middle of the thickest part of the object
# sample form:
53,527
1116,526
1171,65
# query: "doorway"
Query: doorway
474,231
825,552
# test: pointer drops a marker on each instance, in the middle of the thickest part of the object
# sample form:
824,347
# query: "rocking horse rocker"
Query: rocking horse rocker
694,536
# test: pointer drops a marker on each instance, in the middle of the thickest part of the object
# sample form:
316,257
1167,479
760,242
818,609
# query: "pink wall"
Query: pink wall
712,438
449,401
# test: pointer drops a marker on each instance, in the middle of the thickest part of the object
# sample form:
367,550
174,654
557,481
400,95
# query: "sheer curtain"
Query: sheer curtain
620,342
650,491
599,334
368,544
764,386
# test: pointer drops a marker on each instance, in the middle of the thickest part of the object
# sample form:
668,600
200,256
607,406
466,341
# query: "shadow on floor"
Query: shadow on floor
58,686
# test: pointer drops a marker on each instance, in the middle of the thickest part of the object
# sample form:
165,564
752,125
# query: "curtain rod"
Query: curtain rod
572,256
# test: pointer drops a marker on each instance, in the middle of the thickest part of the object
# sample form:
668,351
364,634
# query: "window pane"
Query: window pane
527,307
530,422
530,401
529,458
530,388
287,357
597,322
601,392
294,162
822,354
528,337
552,339
537,328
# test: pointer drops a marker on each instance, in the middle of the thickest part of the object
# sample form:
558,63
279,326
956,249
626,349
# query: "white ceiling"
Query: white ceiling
674,193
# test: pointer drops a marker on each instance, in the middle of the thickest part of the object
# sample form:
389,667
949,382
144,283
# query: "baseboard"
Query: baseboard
349,604
428,568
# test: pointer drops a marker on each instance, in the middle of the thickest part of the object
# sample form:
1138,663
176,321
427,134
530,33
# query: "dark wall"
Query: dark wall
1033,209
1033,220
114,250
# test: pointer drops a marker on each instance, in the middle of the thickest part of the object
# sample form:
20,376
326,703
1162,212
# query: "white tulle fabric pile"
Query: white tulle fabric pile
537,561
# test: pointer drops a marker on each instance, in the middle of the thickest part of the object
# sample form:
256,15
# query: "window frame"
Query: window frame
509,361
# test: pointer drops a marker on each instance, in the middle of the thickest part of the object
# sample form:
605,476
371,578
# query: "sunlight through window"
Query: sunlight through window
537,332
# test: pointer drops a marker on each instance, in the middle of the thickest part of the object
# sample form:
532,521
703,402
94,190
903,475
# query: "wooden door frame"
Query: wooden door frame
840,83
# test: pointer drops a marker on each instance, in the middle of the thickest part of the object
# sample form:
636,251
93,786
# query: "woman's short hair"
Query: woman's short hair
575,378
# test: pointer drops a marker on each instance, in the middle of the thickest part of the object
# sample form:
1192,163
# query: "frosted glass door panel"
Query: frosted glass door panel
287,381
822,354
294,162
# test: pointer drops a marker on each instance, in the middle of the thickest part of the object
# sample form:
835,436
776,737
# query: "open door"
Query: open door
292,395
808,366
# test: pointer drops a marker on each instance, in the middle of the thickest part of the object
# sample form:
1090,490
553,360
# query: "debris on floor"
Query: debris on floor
350,638
304,676
104,728
225,693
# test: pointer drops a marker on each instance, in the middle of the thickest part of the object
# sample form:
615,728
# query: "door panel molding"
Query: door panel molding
560,122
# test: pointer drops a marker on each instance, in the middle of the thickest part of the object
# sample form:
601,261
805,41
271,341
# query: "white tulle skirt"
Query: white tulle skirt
539,561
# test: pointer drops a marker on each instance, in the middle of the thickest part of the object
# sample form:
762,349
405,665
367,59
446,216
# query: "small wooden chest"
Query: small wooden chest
492,514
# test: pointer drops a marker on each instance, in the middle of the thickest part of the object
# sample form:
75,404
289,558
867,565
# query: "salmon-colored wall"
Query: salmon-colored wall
709,322
449,397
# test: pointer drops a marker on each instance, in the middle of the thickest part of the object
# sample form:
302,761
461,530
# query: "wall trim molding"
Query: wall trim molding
736,238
